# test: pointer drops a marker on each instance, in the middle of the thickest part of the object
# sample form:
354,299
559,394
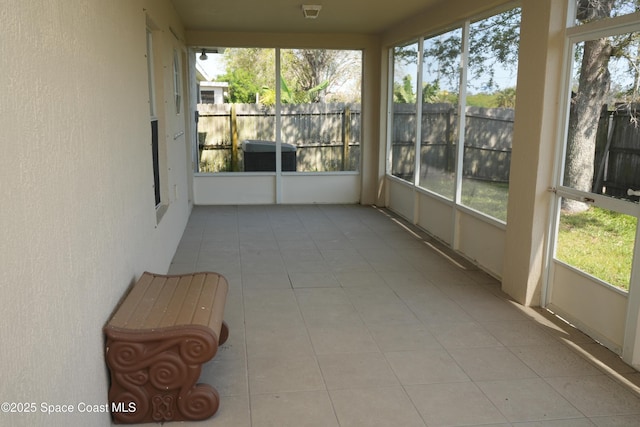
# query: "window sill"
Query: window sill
160,211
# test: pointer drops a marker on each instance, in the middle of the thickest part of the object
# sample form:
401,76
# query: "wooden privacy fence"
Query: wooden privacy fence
326,136
488,140
617,160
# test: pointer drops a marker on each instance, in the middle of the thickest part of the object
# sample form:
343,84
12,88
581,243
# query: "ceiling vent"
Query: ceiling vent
311,11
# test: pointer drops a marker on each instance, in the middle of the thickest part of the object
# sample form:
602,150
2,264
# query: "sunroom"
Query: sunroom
399,195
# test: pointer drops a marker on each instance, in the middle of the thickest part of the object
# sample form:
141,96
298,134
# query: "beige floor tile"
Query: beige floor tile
559,328
365,240
453,404
333,339
445,277
284,318
187,253
400,239
185,267
425,367
608,357
465,292
248,234
375,407
417,290
299,409
463,335
334,316
491,363
269,298
571,422
257,279
345,261
409,336
335,241
597,395
235,346
305,279
306,252
263,261
359,278
233,411
405,279
320,297
438,311
232,274
356,370
345,266
481,277
490,309
529,399
394,313
519,333
555,360
223,245
375,294
617,421
391,265
289,341
220,249
290,234
312,266
228,376
279,374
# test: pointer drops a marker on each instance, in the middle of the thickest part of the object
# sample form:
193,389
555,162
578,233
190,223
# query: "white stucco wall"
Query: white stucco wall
77,220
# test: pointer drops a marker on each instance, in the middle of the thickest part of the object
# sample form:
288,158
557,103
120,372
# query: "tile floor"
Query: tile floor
346,316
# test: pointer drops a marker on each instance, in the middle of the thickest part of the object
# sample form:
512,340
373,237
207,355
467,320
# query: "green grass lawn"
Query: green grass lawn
486,196
598,242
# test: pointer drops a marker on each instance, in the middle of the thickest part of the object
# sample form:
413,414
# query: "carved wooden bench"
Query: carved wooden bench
157,340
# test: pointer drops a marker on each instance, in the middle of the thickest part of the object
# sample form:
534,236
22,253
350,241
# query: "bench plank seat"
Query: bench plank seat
157,340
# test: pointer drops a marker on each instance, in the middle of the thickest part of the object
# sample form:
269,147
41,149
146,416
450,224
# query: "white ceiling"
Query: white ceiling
336,16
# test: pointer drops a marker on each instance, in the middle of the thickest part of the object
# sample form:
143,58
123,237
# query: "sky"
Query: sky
214,65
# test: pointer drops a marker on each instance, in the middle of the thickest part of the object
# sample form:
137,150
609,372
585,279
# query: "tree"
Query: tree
248,72
320,72
289,95
506,98
404,93
307,75
242,86
594,82
495,41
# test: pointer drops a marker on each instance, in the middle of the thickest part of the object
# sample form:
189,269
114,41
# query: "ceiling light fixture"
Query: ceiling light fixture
203,56
311,11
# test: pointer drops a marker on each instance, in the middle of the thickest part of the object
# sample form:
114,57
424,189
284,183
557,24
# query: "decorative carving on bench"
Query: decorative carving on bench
157,368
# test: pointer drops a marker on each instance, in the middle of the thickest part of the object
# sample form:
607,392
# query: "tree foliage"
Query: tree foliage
493,45
242,86
403,93
320,72
307,75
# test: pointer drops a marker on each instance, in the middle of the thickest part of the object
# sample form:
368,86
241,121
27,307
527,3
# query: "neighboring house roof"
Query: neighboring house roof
201,74
213,85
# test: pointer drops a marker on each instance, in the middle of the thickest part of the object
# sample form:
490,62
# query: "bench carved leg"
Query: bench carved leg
224,333
157,371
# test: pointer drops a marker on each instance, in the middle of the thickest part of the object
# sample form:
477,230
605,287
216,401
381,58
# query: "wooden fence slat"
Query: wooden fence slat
618,152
